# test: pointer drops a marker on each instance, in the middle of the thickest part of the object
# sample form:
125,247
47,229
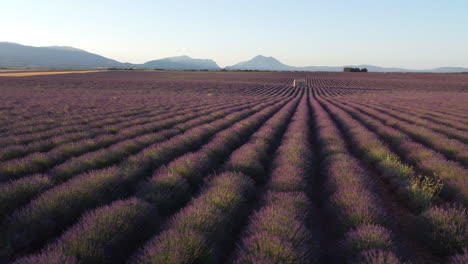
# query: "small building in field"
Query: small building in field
299,82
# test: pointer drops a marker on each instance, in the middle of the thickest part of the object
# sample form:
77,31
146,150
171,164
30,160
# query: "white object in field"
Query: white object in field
299,82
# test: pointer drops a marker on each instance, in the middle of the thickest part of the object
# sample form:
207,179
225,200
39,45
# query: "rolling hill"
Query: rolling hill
13,55
263,63
181,63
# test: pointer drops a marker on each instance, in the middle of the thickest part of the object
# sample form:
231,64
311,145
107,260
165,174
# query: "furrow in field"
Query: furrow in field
415,122
356,203
284,227
99,187
426,115
110,123
38,135
412,192
173,184
17,151
40,162
44,121
22,190
425,160
43,145
41,122
451,148
439,111
221,217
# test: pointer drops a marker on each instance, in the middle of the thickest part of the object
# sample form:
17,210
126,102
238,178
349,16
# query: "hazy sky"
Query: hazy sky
403,33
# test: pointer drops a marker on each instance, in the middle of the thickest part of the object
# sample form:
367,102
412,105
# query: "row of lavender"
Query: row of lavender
440,122
418,191
283,229
48,106
202,232
38,162
26,188
449,142
361,233
21,144
442,224
216,146
47,204
63,151
17,192
240,185
71,123
425,158
141,164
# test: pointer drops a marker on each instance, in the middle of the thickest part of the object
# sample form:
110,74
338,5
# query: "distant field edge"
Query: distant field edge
33,73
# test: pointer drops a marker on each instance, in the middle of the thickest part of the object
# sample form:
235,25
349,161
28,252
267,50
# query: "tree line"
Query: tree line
350,69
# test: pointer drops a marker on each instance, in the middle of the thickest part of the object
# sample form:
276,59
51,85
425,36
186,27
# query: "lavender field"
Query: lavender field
142,167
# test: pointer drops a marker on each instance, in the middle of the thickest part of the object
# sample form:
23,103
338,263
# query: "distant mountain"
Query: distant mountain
14,55
64,48
181,63
262,63
19,56
449,69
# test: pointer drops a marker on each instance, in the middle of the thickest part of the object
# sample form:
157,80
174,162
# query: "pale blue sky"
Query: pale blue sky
403,33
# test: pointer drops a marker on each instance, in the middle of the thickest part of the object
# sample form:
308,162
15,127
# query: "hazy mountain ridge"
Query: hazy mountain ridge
19,56
182,63
63,48
271,64
13,55
262,63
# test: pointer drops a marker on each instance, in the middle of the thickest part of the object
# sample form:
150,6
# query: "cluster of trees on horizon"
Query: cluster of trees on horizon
346,69
350,69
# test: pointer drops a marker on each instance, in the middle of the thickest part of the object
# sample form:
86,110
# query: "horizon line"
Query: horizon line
226,66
